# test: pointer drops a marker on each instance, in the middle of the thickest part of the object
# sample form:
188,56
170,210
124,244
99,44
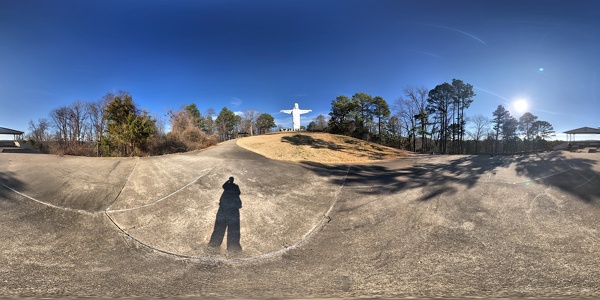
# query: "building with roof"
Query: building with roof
583,130
573,145
15,133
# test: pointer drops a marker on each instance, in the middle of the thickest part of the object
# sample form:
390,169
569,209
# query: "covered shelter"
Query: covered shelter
15,133
583,130
573,145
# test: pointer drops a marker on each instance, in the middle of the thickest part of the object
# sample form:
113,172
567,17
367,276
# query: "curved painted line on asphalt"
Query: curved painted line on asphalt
306,236
125,184
163,198
85,212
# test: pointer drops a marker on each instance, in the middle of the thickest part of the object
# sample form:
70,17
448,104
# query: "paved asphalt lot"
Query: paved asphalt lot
426,226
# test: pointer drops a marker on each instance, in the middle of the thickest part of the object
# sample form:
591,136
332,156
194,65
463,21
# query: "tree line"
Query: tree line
421,120
115,126
435,120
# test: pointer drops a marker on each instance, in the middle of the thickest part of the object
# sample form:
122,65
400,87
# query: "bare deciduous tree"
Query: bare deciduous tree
97,122
60,120
40,134
249,120
76,118
418,97
406,112
480,129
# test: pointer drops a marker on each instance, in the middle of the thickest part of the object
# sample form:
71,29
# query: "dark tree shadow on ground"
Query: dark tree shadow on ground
228,218
550,168
373,179
373,151
7,179
20,150
575,175
25,211
305,140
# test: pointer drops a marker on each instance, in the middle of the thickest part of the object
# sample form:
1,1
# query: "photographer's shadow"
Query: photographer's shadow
228,218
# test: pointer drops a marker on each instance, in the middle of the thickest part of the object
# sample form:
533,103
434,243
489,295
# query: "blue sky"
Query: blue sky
267,55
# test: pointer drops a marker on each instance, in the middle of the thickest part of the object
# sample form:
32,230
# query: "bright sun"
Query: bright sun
521,106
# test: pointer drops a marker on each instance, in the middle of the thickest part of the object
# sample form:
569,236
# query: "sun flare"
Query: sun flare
520,106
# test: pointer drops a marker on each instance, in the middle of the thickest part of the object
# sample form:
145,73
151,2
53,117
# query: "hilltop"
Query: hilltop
319,147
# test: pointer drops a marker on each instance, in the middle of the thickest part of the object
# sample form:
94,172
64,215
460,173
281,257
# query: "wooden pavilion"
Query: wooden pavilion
15,133
583,130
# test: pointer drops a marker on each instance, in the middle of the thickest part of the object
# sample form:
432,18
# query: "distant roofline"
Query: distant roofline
4,130
583,130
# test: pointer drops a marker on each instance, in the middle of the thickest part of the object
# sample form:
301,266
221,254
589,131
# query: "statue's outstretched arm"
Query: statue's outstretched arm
303,111
286,111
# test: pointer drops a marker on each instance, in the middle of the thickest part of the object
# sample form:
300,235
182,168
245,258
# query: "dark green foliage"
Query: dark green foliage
363,115
525,126
447,103
128,129
356,116
195,115
203,122
343,115
440,101
463,97
194,112
525,134
264,123
542,129
500,117
381,111
114,126
226,122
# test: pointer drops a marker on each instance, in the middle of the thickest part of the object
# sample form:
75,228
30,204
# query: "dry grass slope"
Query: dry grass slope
319,147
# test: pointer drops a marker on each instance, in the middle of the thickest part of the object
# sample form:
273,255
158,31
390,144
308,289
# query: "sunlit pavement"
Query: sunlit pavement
430,226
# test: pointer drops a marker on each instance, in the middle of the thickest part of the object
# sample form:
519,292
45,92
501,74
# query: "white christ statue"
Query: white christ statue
296,112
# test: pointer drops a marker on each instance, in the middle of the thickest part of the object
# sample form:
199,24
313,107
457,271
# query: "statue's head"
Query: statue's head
296,105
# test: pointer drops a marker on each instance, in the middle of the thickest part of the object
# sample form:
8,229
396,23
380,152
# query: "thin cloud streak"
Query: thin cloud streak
236,101
459,31
546,111
424,53
492,93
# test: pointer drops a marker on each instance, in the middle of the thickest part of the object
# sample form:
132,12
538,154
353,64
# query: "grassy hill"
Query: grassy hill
318,147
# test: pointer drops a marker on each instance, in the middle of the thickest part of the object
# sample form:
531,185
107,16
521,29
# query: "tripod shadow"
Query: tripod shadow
228,218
